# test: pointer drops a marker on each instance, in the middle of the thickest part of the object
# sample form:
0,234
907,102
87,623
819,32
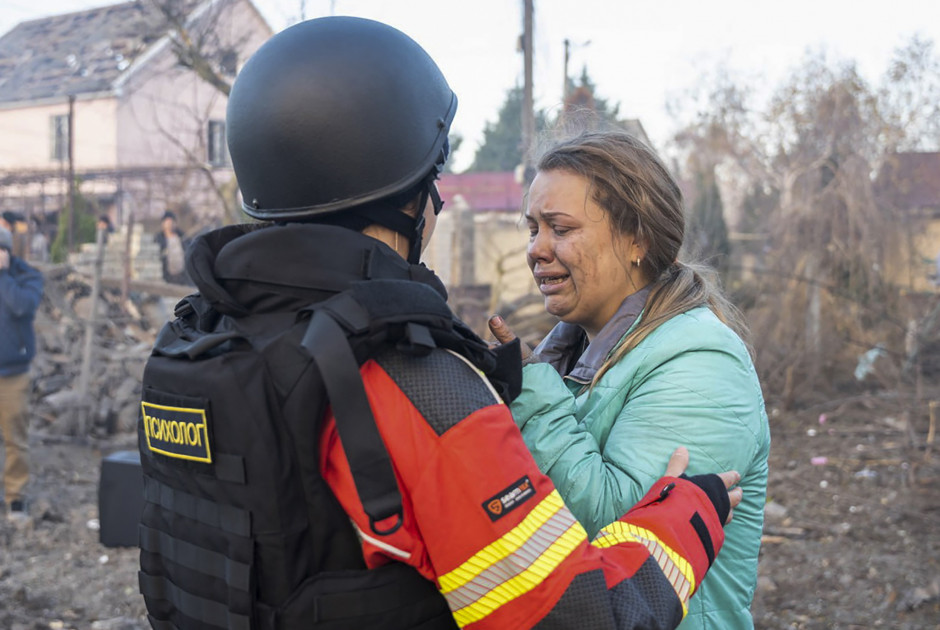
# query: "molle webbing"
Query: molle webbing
225,601
193,606
209,513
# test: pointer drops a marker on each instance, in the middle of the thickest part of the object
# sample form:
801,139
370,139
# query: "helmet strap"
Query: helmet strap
388,214
428,190
417,233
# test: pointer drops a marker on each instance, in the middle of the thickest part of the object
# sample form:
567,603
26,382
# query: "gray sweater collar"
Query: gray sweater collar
566,347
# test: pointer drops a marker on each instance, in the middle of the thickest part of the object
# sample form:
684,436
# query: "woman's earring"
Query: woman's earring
637,261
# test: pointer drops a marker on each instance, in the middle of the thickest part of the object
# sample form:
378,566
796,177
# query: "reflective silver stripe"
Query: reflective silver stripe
387,548
676,568
515,563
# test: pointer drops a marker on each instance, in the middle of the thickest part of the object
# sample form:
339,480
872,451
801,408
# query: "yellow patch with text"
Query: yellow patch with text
179,432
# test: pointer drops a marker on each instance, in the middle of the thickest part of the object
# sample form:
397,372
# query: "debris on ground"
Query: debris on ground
852,519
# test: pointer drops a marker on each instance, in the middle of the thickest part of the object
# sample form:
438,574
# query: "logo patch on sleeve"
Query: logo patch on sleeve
509,499
180,432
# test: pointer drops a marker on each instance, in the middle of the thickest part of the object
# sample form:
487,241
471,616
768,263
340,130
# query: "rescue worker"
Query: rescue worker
337,129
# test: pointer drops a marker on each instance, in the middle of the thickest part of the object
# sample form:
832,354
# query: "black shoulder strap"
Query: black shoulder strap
343,332
369,462
347,329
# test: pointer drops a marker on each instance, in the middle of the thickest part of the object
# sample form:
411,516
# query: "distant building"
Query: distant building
634,127
911,181
105,88
908,186
479,244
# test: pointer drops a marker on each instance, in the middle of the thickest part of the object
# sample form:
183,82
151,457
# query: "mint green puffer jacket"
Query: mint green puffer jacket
689,383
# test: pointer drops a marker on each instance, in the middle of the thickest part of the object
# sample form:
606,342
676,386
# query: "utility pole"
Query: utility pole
84,376
528,113
564,85
71,172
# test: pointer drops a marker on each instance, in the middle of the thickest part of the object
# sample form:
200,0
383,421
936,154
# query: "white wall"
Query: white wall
164,109
26,142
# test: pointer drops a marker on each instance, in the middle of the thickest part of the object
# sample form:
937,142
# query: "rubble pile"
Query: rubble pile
123,332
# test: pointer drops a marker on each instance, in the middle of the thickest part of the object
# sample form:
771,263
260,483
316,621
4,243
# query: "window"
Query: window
228,63
218,151
59,137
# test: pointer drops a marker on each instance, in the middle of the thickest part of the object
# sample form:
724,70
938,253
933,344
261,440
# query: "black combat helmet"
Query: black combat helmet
337,113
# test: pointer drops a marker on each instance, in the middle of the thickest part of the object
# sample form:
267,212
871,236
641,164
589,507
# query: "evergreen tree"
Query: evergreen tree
707,232
84,226
501,149
456,141
584,108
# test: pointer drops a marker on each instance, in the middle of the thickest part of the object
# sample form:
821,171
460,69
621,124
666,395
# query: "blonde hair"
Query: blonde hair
642,199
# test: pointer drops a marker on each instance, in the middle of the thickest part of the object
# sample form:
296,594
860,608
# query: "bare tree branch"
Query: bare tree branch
196,42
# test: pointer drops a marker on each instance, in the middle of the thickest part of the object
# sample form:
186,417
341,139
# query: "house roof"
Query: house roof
910,181
75,53
483,192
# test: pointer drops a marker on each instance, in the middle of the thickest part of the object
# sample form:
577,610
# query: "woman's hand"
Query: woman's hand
504,335
680,461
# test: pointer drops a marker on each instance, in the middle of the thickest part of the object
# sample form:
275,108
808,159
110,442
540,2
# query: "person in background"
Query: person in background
104,224
648,355
38,243
10,221
172,250
20,293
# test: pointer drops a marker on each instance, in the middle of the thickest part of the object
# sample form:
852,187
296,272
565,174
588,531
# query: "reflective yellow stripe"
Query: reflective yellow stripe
676,568
513,565
504,546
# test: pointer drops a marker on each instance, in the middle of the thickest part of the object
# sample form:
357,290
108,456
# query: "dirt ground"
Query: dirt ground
852,538
852,534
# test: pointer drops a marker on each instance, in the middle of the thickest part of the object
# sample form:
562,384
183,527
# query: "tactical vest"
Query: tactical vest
239,530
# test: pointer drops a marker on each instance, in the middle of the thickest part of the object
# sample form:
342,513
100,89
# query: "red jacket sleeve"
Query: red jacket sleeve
492,532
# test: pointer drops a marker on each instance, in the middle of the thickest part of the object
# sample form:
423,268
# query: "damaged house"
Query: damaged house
120,110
